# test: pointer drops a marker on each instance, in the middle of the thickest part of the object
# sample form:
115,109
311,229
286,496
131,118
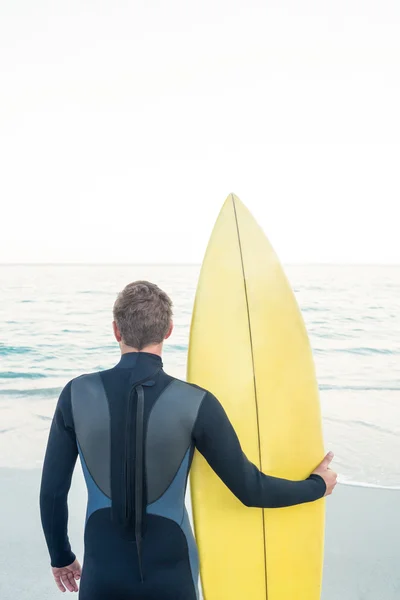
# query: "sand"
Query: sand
362,540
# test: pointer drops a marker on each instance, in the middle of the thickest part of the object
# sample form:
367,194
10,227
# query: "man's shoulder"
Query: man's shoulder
92,375
84,378
190,385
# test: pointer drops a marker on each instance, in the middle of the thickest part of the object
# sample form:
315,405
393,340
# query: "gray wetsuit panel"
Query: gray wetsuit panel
92,427
169,435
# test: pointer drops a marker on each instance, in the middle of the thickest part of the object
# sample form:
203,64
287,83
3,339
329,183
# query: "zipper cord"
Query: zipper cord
139,475
127,489
128,482
139,463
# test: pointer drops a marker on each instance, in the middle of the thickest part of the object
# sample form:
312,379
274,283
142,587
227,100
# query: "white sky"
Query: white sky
124,124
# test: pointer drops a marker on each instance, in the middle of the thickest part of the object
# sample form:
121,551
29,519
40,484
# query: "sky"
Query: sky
124,124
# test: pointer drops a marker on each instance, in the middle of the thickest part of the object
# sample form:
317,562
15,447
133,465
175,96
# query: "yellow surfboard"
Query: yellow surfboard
249,347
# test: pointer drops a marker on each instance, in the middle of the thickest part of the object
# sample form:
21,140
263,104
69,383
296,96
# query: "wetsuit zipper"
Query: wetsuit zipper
138,468
128,461
139,475
139,463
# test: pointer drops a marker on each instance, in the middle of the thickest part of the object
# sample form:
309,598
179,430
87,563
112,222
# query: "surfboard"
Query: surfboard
249,347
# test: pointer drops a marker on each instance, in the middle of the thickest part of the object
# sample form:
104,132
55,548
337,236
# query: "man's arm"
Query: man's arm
57,472
217,441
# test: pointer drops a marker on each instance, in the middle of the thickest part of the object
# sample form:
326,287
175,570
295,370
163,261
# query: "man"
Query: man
136,429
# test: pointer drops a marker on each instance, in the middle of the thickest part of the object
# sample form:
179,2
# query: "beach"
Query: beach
362,540
56,324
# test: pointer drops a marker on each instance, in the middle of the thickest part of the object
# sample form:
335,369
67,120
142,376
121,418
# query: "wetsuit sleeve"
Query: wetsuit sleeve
217,441
57,472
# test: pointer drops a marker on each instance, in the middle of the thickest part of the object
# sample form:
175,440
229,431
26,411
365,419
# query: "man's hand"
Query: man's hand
66,577
329,476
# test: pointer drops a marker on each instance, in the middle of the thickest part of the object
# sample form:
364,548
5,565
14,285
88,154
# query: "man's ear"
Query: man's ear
117,332
170,330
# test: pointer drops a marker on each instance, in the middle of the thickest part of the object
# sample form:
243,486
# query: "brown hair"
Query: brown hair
143,314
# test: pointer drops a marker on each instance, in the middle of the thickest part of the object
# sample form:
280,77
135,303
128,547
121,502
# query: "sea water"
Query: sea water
55,324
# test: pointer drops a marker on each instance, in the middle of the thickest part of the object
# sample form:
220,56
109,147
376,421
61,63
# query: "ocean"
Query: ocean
55,324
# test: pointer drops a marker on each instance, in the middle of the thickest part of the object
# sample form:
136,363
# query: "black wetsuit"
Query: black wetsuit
135,429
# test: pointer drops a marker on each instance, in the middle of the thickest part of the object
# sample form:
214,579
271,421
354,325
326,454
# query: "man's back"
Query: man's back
136,429
132,426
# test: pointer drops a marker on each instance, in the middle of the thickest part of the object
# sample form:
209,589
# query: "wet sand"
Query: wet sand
362,540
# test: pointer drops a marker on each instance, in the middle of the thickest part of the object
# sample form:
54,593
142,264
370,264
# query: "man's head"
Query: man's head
142,317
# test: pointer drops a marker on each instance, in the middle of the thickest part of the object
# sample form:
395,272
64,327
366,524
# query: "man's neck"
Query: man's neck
154,349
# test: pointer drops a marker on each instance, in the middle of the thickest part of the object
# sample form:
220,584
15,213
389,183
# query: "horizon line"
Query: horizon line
177,264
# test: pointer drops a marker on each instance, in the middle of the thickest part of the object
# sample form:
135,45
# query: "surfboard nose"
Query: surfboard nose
232,198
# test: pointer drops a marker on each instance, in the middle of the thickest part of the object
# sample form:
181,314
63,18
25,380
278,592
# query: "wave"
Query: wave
35,392
17,375
176,348
365,424
75,331
5,350
359,388
363,484
43,417
365,351
362,351
95,348
332,335
8,429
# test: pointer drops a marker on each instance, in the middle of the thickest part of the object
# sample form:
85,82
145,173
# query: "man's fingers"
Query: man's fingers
78,573
327,460
59,584
71,576
67,582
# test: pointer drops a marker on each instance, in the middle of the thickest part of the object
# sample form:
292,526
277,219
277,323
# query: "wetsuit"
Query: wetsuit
135,429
